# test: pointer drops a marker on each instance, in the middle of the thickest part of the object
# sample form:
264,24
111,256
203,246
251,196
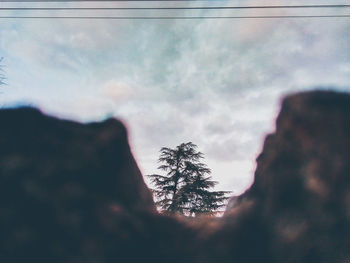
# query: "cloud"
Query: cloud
214,82
116,90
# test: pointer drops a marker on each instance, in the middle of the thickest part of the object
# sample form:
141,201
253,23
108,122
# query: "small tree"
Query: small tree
2,75
184,187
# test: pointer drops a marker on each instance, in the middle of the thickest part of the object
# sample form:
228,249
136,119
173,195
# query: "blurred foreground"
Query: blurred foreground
73,193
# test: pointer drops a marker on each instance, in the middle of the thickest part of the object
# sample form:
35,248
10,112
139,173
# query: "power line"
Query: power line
173,17
61,1
175,8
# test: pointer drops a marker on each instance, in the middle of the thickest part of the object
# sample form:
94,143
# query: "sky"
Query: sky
217,83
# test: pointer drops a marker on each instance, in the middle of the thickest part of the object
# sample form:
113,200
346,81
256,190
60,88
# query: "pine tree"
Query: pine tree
2,76
185,186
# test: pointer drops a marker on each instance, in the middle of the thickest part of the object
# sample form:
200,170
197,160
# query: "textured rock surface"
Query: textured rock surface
73,193
301,193
303,179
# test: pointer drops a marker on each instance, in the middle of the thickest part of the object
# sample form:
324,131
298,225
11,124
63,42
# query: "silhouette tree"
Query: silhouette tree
2,75
185,186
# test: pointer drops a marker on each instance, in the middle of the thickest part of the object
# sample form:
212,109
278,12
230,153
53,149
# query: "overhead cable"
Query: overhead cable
173,17
176,8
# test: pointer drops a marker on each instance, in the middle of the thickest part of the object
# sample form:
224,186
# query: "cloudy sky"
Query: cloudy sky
217,83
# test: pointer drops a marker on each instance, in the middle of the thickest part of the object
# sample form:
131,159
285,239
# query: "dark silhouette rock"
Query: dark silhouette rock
301,194
303,182
72,192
